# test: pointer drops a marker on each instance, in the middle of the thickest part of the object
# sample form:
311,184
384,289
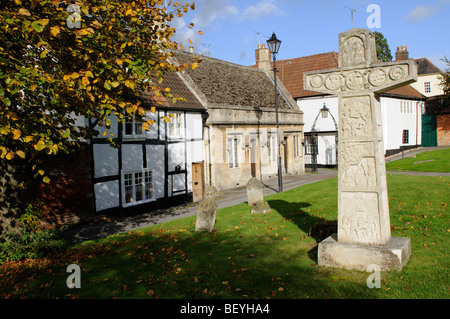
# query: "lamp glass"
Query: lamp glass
274,44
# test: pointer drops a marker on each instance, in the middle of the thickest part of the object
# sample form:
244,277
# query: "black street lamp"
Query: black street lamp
274,45
324,111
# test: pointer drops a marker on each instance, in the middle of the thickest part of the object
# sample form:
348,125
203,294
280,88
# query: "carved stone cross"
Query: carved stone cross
363,208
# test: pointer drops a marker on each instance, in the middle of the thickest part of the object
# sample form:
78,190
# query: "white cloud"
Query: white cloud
205,14
260,10
211,10
420,12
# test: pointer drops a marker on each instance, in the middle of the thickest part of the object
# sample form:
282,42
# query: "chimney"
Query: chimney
402,53
262,55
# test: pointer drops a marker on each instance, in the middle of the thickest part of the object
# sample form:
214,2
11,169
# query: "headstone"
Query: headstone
206,216
363,236
255,197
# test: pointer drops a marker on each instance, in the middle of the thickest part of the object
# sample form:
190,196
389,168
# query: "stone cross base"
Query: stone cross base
391,256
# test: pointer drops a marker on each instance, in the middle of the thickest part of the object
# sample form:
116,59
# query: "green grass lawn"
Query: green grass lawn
432,161
251,256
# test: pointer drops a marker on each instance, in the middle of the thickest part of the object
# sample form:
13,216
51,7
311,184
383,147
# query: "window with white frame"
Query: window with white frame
132,127
233,150
427,87
176,125
137,187
272,147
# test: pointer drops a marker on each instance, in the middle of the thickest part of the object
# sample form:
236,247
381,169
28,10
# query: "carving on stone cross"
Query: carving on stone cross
361,221
358,79
356,122
353,51
359,166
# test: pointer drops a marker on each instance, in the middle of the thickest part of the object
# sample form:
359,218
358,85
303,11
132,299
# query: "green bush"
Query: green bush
33,241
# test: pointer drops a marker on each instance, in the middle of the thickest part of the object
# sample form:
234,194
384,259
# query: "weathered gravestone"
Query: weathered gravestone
255,197
206,216
363,235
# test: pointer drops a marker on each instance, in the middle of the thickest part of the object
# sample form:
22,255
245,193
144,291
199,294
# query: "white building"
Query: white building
154,166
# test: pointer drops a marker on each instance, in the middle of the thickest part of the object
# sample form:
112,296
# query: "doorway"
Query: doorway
197,182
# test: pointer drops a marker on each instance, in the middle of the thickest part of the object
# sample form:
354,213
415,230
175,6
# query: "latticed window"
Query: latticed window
405,137
427,87
311,145
137,187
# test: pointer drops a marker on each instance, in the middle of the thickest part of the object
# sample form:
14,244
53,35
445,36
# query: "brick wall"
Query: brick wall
443,129
69,196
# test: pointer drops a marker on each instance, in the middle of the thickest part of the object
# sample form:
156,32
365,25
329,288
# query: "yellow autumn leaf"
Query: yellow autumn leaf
194,65
85,81
17,134
129,11
24,12
21,154
46,179
55,30
41,172
39,146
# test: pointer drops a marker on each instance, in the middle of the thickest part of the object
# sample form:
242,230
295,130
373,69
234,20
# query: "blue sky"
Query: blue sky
232,28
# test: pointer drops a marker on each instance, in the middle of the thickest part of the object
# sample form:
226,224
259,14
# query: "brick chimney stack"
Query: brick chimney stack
402,53
263,57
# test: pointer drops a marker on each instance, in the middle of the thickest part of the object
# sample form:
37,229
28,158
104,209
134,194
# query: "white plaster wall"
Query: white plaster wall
132,158
155,161
152,132
105,160
434,79
395,121
113,130
107,195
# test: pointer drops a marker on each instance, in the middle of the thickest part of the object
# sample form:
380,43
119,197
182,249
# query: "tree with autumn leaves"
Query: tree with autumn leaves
60,61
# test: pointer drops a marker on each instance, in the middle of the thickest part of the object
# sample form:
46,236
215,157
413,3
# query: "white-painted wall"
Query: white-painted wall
399,115
435,81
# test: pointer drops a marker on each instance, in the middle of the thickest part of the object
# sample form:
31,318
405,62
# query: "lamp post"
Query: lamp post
274,45
324,111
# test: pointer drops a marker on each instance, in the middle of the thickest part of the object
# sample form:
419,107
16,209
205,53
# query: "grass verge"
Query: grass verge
432,161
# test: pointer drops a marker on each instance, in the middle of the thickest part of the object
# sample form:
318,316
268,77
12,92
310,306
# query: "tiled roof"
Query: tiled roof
291,74
226,84
406,91
424,66
291,71
178,88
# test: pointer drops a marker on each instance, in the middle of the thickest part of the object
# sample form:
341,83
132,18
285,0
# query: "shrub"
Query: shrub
33,241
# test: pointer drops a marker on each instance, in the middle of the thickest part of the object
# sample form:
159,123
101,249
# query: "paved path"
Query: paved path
80,233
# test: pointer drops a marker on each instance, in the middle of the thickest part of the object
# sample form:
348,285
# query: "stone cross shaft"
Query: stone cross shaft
363,208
